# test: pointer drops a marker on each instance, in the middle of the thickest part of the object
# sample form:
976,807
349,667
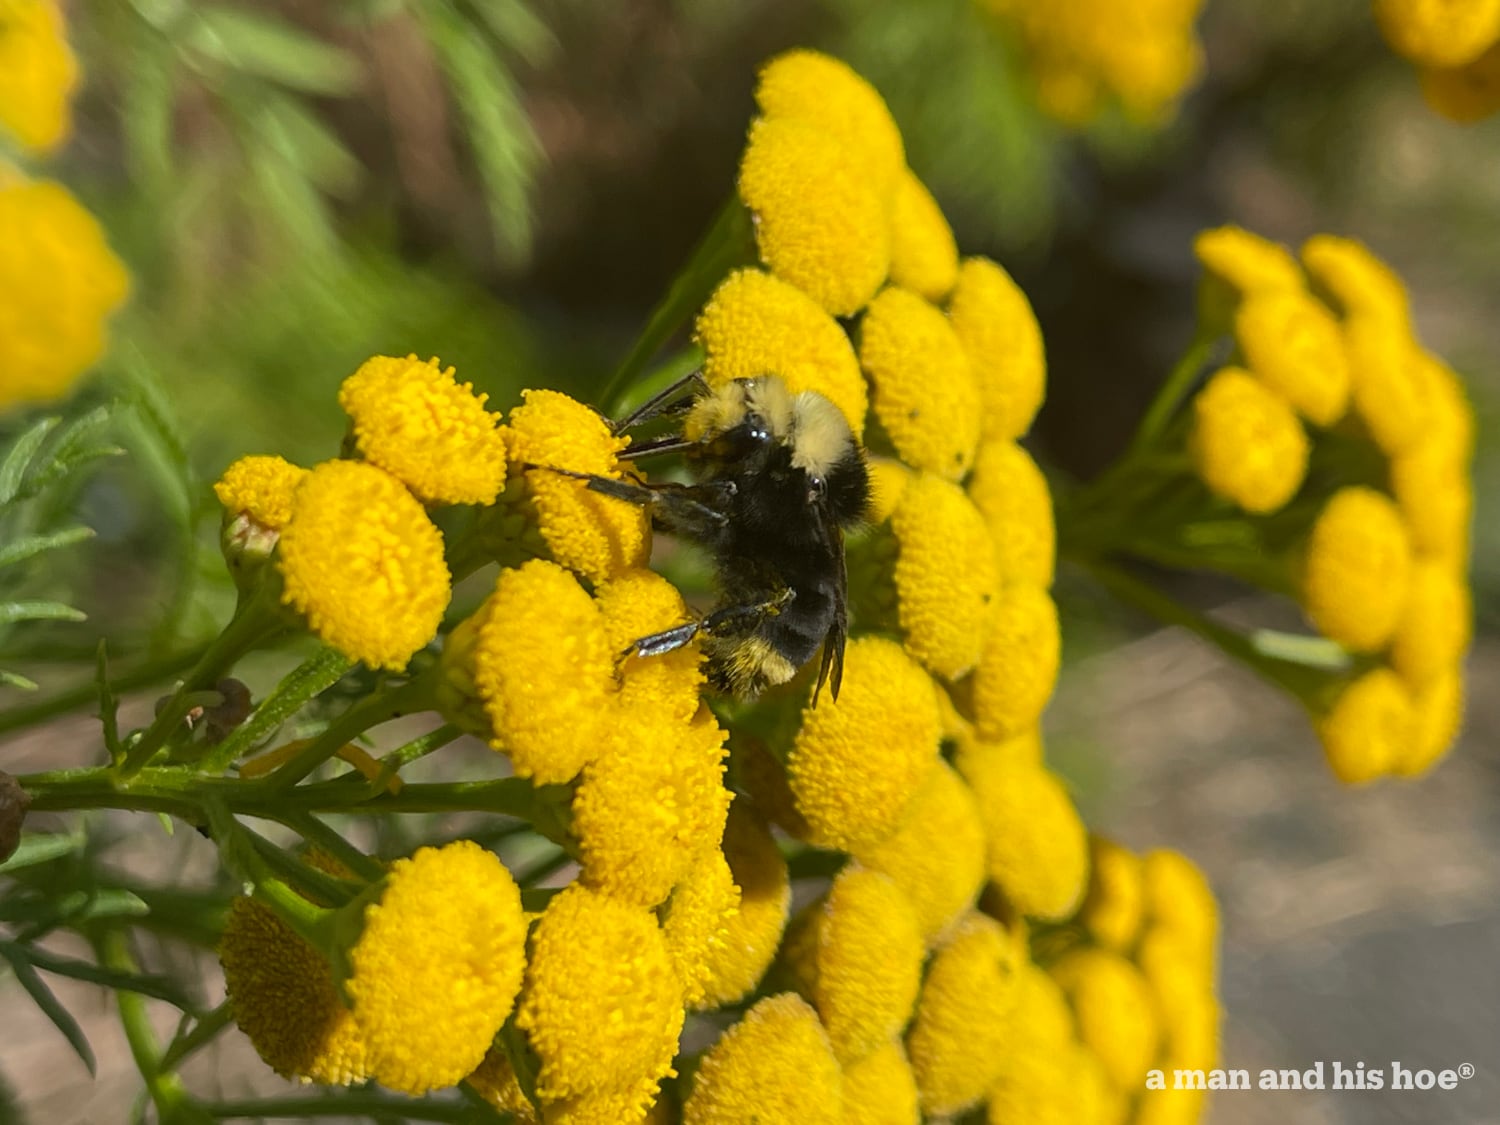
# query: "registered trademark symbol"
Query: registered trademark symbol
1466,1070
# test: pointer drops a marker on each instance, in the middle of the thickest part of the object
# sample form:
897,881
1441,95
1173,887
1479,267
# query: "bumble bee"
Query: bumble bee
777,480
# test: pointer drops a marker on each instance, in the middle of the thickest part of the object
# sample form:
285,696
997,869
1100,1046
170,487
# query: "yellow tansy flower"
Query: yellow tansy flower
1246,262
774,1065
37,73
880,1089
437,966
283,997
262,488
1435,627
1025,747
543,666
1000,335
924,254
363,564
636,604
697,919
650,804
59,281
1356,569
1439,33
1018,665
751,936
1359,282
946,575
1392,385
1036,1079
848,795
803,85
820,218
925,395
1246,442
1036,845
602,1004
962,1028
596,535
1180,904
1293,343
1113,907
427,430
937,855
888,481
1466,93
1438,716
1369,729
1115,1011
757,324
1012,495
859,958
1436,499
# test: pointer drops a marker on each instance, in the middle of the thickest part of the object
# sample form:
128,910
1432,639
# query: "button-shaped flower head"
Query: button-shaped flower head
1247,444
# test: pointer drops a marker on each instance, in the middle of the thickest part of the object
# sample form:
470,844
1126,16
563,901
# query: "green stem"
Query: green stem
355,1103
252,624
414,695
401,757
165,1089
147,674
1178,383
319,835
192,1039
315,674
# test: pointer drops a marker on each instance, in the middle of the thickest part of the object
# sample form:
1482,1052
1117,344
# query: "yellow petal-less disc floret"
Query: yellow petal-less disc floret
1369,728
596,535
1115,902
262,488
427,430
1439,33
1003,341
1436,499
1467,93
1036,1077
543,666
924,391
1012,495
1018,665
820,218
1036,844
59,282
1246,262
734,967
1292,342
937,855
650,804
636,604
807,86
438,965
696,922
963,1027
888,481
946,575
850,794
37,73
860,958
602,1004
880,1089
757,324
1392,385
1438,711
282,994
924,254
363,564
1435,627
1180,904
1246,443
1356,569
1114,1009
1359,282
774,1065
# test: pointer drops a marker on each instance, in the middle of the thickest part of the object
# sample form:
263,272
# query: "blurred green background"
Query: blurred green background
511,185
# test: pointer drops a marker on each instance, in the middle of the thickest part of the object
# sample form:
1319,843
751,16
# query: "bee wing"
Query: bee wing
832,538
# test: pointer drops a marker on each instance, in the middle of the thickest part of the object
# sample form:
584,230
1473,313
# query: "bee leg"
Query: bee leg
732,620
668,640
676,399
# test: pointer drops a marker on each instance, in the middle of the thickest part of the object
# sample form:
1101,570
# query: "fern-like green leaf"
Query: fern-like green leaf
266,47
51,1006
32,545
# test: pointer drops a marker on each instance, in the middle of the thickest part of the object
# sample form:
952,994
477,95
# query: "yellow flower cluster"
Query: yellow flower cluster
1382,568
1084,55
59,281
37,73
1456,46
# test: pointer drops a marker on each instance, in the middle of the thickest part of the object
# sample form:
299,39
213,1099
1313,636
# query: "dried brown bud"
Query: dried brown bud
13,804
